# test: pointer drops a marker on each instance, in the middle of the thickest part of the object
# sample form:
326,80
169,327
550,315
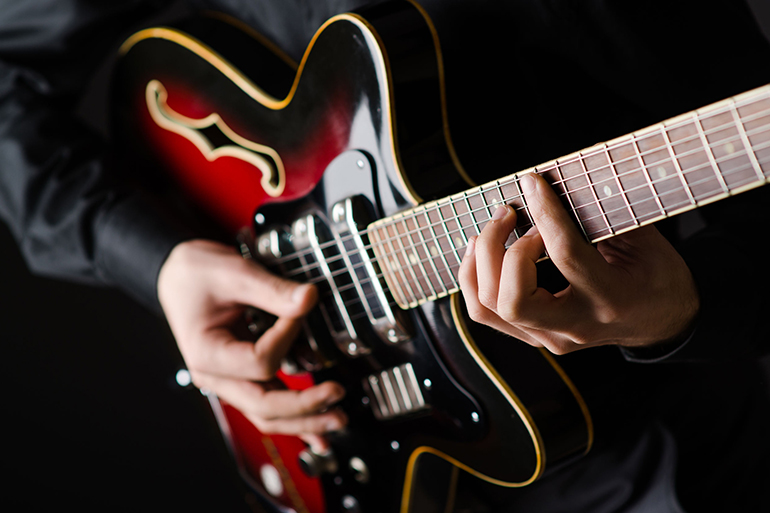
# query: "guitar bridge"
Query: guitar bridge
394,392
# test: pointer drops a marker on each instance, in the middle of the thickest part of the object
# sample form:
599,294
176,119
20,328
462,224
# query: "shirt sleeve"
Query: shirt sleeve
726,257
71,216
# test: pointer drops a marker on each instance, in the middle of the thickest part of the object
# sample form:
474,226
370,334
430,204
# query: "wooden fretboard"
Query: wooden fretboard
609,188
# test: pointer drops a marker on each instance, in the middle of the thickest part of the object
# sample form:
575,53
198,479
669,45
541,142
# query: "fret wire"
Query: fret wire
470,213
408,261
709,153
484,201
647,174
446,231
678,168
459,224
374,242
746,141
440,252
675,125
593,191
517,182
398,265
569,199
620,186
428,255
499,188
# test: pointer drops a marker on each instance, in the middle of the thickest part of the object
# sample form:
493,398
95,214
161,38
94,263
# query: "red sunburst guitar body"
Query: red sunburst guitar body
305,157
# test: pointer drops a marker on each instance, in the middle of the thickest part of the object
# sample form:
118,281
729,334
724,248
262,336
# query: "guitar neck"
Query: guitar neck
663,170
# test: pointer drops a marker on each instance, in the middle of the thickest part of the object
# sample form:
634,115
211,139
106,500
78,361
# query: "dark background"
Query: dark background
93,417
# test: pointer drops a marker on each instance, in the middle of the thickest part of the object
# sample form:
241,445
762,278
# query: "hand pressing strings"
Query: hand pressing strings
632,290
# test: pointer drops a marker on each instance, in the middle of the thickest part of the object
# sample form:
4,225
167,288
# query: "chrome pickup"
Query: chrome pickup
334,254
350,218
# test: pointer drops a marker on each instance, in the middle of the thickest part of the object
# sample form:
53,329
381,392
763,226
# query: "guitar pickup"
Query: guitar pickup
350,217
394,392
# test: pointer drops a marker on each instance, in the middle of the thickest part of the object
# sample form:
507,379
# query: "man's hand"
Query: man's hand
632,290
204,288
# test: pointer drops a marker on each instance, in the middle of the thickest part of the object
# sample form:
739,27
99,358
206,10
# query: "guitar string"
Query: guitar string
636,157
426,276
451,271
344,288
414,245
472,213
611,179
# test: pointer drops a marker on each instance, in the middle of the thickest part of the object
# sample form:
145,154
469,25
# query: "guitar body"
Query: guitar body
305,157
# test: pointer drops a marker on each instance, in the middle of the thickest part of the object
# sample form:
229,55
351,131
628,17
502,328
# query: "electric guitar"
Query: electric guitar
324,168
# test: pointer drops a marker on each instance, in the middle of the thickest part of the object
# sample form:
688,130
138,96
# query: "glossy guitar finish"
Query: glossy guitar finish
354,133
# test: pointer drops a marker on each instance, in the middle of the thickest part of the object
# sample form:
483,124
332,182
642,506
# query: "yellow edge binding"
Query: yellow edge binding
442,87
510,397
515,403
250,88
161,113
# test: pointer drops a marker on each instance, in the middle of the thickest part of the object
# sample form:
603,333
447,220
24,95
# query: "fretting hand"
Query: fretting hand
203,288
632,290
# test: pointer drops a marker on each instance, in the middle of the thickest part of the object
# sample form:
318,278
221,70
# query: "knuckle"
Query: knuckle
488,299
260,423
198,380
476,313
558,348
511,312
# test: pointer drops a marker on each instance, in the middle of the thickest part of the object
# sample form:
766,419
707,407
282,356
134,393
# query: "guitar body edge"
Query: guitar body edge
352,120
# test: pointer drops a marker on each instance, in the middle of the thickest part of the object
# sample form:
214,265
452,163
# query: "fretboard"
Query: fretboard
609,188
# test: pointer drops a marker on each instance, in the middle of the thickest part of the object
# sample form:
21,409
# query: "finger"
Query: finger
248,283
318,443
333,420
521,301
577,260
468,277
222,354
489,253
268,403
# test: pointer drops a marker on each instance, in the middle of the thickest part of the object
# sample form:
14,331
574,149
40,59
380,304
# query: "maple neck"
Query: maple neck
660,171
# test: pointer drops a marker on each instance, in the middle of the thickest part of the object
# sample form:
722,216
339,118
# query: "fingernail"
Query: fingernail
470,247
337,423
527,183
299,293
500,212
335,397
